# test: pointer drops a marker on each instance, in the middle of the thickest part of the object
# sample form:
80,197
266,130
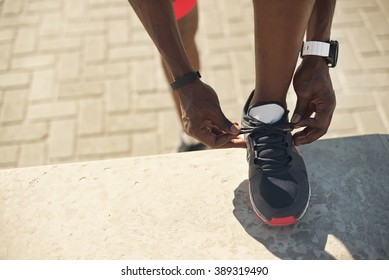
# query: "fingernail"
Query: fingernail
296,118
234,129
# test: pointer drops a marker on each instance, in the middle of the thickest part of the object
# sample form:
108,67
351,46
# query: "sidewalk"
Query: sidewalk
81,80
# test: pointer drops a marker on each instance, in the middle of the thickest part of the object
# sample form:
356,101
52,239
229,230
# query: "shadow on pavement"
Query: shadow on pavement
348,213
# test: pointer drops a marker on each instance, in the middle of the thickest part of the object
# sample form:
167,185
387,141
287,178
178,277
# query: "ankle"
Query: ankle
260,98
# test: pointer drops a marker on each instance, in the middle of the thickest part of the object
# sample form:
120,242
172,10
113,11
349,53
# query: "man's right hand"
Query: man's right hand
203,118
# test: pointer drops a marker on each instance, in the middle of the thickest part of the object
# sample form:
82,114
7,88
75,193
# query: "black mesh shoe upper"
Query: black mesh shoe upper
277,174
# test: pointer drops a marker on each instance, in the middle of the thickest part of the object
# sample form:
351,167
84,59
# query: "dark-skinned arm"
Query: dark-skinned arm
312,81
202,116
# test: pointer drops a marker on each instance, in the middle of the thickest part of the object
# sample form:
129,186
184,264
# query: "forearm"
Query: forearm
159,21
320,22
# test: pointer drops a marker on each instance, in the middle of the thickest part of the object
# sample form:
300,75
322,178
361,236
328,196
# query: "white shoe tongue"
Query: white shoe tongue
267,113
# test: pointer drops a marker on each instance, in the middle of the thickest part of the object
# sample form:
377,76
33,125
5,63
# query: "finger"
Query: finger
307,136
309,122
223,139
301,109
212,136
235,143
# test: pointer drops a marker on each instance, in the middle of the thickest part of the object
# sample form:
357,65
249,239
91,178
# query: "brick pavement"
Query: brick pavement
81,80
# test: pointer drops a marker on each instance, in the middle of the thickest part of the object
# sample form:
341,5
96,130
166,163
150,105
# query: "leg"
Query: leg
279,32
278,184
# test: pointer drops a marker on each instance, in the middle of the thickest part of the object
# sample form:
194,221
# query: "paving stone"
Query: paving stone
223,81
77,28
110,12
91,116
369,122
384,6
95,48
34,61
169,131
52,110
33,154
131,122
348,60
152,102
42,84
354,101
367,45
118,31
374,62
14,79
14,105
85,89
364,80
134,52
144,143
52,24
69,66
377,23
6,35
212,21
382,101
342,121
106,71
25,132
226,44
9,155
140,81
62,139
25,20
26,40
5,53
112,144
59,44
12,6
118,96
44,6
74,9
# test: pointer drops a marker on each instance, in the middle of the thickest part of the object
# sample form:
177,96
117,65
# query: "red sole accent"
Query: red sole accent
279,222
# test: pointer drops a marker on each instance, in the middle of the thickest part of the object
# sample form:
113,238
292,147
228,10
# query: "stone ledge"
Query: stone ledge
195,206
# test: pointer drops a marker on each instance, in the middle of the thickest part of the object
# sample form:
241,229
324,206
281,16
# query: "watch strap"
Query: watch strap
315,48
186,79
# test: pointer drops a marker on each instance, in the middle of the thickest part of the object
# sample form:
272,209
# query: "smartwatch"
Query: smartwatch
328,50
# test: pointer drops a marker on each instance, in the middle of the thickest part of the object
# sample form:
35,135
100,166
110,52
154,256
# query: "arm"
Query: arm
312,81
158,19
201,113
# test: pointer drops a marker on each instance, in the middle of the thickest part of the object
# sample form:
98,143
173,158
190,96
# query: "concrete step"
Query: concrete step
195,206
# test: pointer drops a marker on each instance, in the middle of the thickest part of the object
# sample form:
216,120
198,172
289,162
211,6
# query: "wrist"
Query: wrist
314,62
185,79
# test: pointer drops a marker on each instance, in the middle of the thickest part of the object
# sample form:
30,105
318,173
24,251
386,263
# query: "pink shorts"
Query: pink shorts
183,7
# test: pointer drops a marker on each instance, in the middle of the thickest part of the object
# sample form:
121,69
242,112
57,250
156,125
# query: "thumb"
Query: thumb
226,125
301,109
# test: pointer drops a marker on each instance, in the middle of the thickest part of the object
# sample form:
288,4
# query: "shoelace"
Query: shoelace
270,146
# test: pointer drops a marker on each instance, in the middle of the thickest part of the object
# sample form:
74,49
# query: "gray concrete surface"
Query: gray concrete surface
195,206
80,79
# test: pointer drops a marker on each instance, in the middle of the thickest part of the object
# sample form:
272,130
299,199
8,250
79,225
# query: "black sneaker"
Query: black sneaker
278,183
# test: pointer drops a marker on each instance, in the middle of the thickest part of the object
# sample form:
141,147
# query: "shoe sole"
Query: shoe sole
279,221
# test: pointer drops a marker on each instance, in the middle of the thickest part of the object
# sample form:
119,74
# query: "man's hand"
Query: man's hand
315,94
203,118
